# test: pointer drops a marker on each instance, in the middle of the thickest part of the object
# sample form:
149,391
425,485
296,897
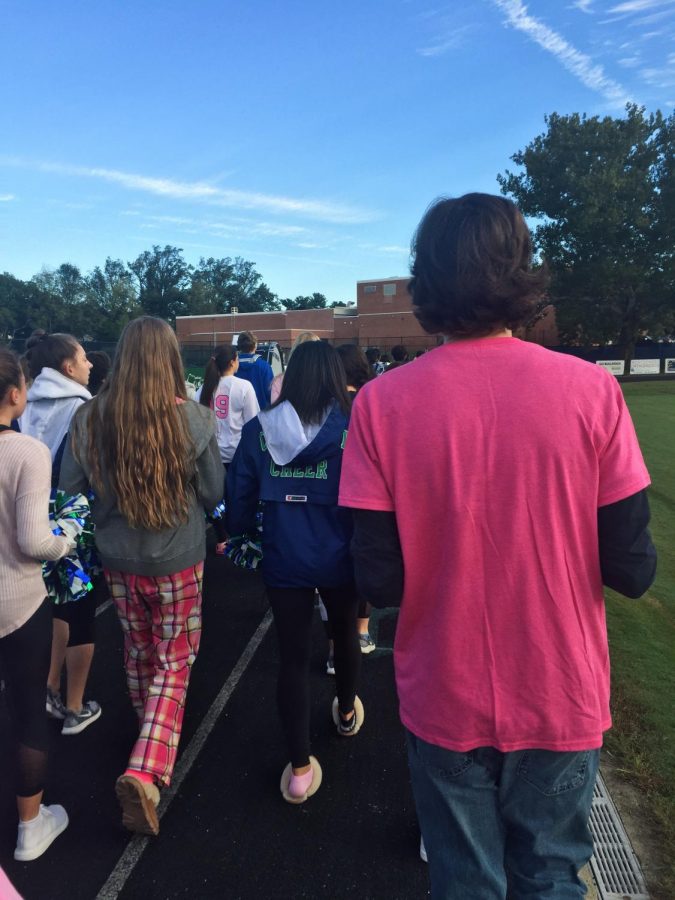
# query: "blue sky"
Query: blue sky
306,137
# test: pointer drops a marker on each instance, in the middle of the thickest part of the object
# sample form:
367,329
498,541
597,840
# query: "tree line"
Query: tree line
599,192
159,282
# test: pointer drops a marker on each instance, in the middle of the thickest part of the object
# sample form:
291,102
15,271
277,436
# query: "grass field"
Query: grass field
642,633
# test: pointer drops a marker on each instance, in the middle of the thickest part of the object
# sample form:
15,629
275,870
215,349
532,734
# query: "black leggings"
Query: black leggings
293,610
81,614
25,655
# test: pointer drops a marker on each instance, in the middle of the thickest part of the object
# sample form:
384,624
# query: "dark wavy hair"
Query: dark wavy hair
355,362
100,369
314,379
216,367
472,267
50,351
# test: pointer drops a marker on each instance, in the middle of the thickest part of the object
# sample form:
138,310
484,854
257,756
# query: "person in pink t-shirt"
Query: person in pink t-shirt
494,514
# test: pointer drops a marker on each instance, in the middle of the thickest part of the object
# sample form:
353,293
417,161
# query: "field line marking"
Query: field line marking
136,846
102,608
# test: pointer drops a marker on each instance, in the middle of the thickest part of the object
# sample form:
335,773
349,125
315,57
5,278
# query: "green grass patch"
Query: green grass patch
642,632
196,371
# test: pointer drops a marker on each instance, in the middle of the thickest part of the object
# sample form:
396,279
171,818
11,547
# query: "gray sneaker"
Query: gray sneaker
56,708
367,643
77,721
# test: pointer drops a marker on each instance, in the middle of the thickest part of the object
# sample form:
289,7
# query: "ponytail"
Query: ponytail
50,351
216,367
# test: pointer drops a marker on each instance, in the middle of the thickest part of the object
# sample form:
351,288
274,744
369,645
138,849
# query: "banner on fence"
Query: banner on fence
670,366
645,366
615,366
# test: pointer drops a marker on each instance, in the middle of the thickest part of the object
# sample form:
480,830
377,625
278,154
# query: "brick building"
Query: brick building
381,318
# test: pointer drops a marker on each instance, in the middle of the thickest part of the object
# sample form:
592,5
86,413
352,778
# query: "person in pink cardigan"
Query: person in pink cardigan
25,611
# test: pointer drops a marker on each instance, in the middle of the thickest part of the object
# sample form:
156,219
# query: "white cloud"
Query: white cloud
202,192
583,5
6,198
235,226
631,6
579,64
449,38
653,18
393,248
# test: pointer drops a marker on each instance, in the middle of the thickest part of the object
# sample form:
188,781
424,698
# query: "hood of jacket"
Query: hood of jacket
288,438
52,385
201,424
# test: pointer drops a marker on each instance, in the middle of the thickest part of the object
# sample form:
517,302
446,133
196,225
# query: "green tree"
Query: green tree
66,287
220,284
23,307
602,192
315,301
163,278
336,303
111,299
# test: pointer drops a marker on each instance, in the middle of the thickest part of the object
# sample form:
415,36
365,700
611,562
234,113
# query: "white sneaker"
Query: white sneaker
36,836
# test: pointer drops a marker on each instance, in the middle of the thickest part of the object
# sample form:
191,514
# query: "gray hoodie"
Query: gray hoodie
138,551
53,399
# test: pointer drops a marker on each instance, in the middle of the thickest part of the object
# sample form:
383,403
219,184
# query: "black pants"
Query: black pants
81,614
293,610
25,655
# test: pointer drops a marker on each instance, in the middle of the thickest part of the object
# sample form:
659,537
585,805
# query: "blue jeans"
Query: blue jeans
503,824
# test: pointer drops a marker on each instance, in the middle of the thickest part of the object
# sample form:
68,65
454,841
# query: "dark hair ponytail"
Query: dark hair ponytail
50,351
216,367
357,368
314,379
10,372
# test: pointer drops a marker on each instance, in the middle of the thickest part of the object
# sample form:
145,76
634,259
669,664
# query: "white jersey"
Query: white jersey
234,403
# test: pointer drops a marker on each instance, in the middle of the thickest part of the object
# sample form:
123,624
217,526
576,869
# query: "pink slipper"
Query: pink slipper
297,788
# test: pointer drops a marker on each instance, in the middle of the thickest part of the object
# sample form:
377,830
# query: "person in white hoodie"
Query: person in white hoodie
60,369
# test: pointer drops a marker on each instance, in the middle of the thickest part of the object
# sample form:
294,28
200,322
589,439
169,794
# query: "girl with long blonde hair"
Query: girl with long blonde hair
152,460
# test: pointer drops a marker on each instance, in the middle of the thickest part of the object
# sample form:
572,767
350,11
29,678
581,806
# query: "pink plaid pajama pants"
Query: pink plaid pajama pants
161,617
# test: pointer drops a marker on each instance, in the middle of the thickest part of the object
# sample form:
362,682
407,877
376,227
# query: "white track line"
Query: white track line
137,845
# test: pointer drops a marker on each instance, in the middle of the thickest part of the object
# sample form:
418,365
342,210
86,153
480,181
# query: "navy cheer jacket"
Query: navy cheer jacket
296,473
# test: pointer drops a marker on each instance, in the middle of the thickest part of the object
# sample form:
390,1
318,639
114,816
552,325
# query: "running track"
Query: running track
225,831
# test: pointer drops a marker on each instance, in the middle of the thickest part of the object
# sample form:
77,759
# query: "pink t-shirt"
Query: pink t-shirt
495,454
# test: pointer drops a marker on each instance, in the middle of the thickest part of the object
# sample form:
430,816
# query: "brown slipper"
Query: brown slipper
139,804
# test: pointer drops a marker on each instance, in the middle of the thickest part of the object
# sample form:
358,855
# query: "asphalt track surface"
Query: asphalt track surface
225,830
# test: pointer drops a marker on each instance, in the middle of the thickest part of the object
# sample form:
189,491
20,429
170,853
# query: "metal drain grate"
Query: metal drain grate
615,866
